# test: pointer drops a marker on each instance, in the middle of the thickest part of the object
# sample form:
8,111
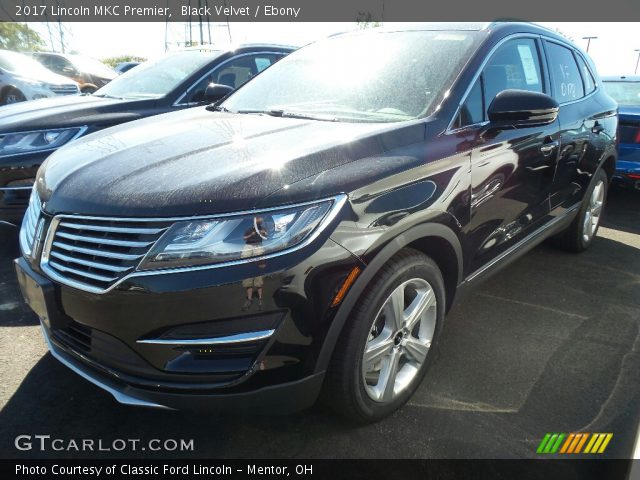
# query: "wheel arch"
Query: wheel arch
608,163
8,88
435,240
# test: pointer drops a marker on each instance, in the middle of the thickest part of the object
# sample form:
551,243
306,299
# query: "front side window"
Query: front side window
565,75
515,65
366,77
472,110
233,73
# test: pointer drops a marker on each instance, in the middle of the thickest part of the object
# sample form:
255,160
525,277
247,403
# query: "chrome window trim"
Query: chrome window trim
10,189
80,133
338,204
226,340
479,70
186,92
450,129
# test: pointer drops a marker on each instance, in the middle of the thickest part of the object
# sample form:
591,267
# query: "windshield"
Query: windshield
156,78
22,65
90,65
625,93
371,77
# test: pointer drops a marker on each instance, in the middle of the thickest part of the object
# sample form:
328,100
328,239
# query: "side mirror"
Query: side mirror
522,108
216,91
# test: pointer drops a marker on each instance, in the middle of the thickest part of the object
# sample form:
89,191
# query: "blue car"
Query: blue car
626,91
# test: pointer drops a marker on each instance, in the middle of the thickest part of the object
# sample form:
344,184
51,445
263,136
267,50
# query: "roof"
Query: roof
229,47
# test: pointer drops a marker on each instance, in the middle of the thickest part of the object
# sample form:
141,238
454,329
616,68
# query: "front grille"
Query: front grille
94,254
29,223
64,89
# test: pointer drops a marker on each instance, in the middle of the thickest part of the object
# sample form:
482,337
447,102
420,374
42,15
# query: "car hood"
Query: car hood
67,111
197,162
51,77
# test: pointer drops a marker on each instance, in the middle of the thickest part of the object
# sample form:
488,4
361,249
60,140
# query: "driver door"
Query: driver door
512,170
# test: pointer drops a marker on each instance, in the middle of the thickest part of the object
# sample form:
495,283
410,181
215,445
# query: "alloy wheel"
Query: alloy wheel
399,340
593,212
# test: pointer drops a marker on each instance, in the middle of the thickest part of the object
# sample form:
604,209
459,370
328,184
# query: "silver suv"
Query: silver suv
22,78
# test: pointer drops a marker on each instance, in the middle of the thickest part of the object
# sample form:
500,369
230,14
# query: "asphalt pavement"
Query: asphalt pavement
549,344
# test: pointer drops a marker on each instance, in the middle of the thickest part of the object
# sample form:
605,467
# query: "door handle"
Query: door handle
548,148
597,128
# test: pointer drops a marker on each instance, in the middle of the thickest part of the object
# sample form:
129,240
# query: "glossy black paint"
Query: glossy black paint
472,198
521,108
93,112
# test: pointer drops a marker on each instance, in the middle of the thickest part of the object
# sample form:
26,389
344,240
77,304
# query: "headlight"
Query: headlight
40,140
243,236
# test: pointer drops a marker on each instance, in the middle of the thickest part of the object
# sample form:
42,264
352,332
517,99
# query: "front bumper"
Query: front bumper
284,398
180,340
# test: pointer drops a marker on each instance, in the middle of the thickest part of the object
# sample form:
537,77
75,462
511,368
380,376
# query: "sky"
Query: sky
613,50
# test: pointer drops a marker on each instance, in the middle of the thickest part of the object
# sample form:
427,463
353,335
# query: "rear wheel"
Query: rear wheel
387,345
580,234
13,95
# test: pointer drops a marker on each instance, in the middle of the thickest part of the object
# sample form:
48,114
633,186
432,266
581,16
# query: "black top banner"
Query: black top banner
314,10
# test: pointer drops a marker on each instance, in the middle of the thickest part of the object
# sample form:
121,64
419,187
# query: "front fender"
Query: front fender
375,263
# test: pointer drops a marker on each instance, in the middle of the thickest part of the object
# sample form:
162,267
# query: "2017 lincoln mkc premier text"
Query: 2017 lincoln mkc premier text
306,236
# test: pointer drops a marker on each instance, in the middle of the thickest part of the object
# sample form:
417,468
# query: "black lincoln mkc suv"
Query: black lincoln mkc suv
305,237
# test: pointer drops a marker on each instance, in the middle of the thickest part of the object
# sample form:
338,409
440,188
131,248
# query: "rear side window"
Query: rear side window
565,75
587,78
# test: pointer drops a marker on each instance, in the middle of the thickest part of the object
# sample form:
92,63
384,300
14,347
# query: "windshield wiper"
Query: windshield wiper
285,114
106,95
217,108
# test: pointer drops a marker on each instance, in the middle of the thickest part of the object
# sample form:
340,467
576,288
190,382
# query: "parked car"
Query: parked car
28,134
89,73
22,78
125,67
310,231
626,91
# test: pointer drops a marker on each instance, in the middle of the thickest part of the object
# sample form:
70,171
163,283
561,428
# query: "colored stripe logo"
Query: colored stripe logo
574,443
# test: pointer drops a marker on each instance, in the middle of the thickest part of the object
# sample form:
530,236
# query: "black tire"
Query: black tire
344,388
12,95
572,239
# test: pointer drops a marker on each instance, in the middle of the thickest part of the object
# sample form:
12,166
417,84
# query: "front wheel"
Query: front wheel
580,234
387,345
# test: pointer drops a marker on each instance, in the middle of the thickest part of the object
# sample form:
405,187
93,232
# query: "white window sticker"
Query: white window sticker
528,65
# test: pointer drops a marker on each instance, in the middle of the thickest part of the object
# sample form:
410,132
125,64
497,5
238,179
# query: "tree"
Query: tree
113,61
365,20
18,36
